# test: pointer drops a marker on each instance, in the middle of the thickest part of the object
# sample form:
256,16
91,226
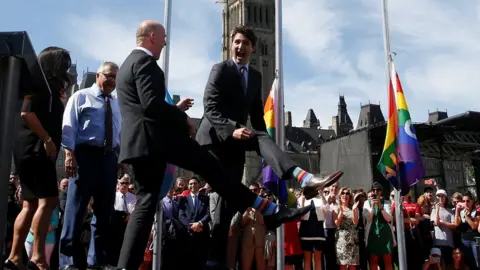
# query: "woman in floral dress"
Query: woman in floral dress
346,236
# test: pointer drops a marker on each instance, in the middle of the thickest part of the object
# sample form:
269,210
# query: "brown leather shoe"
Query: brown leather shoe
319,182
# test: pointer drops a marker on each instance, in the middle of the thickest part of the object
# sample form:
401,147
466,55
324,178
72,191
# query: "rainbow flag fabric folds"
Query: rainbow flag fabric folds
271,181
411,168
388,164
169,175
401,161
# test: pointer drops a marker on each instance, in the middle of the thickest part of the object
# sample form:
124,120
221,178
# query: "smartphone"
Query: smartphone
374,196
436,259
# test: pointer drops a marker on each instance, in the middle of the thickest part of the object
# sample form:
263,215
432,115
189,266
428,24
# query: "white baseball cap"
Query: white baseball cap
435,251
441,191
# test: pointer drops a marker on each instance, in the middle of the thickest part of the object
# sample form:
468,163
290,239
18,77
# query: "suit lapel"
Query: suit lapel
240,92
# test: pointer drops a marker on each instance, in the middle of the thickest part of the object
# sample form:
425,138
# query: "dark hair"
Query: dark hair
55,63
247,32
377,185
194,178
427,189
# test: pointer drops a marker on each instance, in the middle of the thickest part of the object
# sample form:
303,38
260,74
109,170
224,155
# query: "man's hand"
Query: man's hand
70,163
196,227
242,134
191,127
185,104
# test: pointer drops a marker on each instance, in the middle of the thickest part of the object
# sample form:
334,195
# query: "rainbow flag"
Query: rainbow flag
271,181
388,163
169,175
410,162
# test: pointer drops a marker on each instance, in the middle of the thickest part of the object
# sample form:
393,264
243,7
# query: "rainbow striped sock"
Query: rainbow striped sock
303,177
265,207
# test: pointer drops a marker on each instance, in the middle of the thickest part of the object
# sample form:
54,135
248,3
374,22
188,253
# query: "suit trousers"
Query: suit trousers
186,153
232,157
97,178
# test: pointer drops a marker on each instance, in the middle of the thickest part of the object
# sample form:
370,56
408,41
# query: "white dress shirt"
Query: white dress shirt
121,199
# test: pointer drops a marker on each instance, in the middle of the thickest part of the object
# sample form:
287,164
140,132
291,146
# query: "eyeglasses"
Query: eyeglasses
124,183
109,76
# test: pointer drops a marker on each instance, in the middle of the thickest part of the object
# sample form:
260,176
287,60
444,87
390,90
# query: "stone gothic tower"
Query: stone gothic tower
260,16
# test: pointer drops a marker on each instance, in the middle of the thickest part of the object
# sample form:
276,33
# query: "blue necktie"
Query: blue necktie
195,202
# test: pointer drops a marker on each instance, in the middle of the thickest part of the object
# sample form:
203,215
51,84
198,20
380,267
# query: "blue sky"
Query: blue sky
330,47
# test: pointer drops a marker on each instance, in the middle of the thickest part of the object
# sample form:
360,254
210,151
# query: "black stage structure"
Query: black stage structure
18,67
451,144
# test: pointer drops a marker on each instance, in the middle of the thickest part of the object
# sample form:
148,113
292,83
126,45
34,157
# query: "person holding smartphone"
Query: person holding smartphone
434,261
378,231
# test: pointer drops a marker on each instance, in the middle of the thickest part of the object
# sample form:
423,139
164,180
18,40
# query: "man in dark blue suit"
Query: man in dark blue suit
194,214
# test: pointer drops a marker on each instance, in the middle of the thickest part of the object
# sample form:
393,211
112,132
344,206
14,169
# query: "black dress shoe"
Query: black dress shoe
312,188
283,215
9,265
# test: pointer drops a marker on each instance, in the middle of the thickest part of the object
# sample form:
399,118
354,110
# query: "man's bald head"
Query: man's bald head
151,36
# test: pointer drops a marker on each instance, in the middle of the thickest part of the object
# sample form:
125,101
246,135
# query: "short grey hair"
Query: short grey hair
101,68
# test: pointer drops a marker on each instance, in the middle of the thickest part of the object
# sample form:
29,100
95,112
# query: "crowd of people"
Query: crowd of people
94,219
345,229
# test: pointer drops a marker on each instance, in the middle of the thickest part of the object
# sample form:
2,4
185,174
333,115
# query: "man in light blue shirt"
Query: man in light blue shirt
90,137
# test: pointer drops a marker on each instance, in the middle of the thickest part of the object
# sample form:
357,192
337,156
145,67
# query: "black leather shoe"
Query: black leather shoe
9,265
283,215
312,188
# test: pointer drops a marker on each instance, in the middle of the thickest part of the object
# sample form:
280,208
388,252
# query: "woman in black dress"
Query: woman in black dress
36,150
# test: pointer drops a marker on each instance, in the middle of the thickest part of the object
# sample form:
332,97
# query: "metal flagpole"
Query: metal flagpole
402,254
157,245
280,116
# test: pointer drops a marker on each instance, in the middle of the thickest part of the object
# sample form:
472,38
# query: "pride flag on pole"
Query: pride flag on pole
410,164
401,161
169,175
271,181
388,163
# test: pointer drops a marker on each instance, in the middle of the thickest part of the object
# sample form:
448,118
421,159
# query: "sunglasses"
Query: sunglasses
345,193
326,192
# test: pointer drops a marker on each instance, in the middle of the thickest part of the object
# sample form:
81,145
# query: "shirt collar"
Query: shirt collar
98,92
191,194
147,51
247,66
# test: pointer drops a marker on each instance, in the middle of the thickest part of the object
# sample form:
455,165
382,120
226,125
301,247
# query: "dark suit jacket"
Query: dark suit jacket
149,122
226,107
188,214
